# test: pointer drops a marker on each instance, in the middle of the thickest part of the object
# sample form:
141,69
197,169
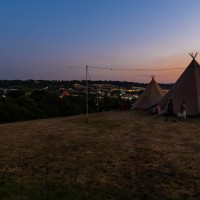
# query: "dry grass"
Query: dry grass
126,155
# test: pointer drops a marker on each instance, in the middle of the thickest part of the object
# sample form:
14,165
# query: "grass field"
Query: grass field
117,155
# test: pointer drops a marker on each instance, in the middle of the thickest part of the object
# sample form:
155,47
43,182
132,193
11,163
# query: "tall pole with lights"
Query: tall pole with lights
86,94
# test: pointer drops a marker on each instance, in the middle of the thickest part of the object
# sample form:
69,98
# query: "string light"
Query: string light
137,69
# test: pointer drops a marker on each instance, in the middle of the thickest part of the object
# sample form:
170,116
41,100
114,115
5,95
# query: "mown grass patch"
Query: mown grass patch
116,155
49,191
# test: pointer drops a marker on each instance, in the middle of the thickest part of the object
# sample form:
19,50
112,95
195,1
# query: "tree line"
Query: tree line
56,84
39,104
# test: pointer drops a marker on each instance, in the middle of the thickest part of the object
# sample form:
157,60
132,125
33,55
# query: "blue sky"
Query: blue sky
55,39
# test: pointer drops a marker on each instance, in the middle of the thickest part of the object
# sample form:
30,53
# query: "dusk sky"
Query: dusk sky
56,39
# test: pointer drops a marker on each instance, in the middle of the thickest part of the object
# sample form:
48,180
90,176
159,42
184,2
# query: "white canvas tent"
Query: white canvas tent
151,96
187,88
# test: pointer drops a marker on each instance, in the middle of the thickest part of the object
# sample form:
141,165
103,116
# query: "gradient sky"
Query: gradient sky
56,39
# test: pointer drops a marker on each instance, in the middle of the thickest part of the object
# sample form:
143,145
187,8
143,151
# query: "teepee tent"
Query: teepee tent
186,88
151,96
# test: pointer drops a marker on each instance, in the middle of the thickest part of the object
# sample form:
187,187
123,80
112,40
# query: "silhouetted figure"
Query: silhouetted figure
182,112
170,110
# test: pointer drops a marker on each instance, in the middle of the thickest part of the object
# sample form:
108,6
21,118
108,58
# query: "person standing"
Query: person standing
170,110
182,112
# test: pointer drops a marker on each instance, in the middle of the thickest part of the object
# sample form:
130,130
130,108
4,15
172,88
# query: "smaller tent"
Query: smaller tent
151,96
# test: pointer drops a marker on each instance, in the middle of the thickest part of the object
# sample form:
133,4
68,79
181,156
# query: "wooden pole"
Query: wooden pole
86,93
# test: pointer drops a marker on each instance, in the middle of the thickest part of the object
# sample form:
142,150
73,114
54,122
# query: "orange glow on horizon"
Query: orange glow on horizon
165,76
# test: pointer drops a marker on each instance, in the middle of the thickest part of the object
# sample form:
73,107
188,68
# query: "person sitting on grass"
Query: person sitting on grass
182,113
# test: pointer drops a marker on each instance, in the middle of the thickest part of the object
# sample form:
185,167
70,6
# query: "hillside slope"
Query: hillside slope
117,155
